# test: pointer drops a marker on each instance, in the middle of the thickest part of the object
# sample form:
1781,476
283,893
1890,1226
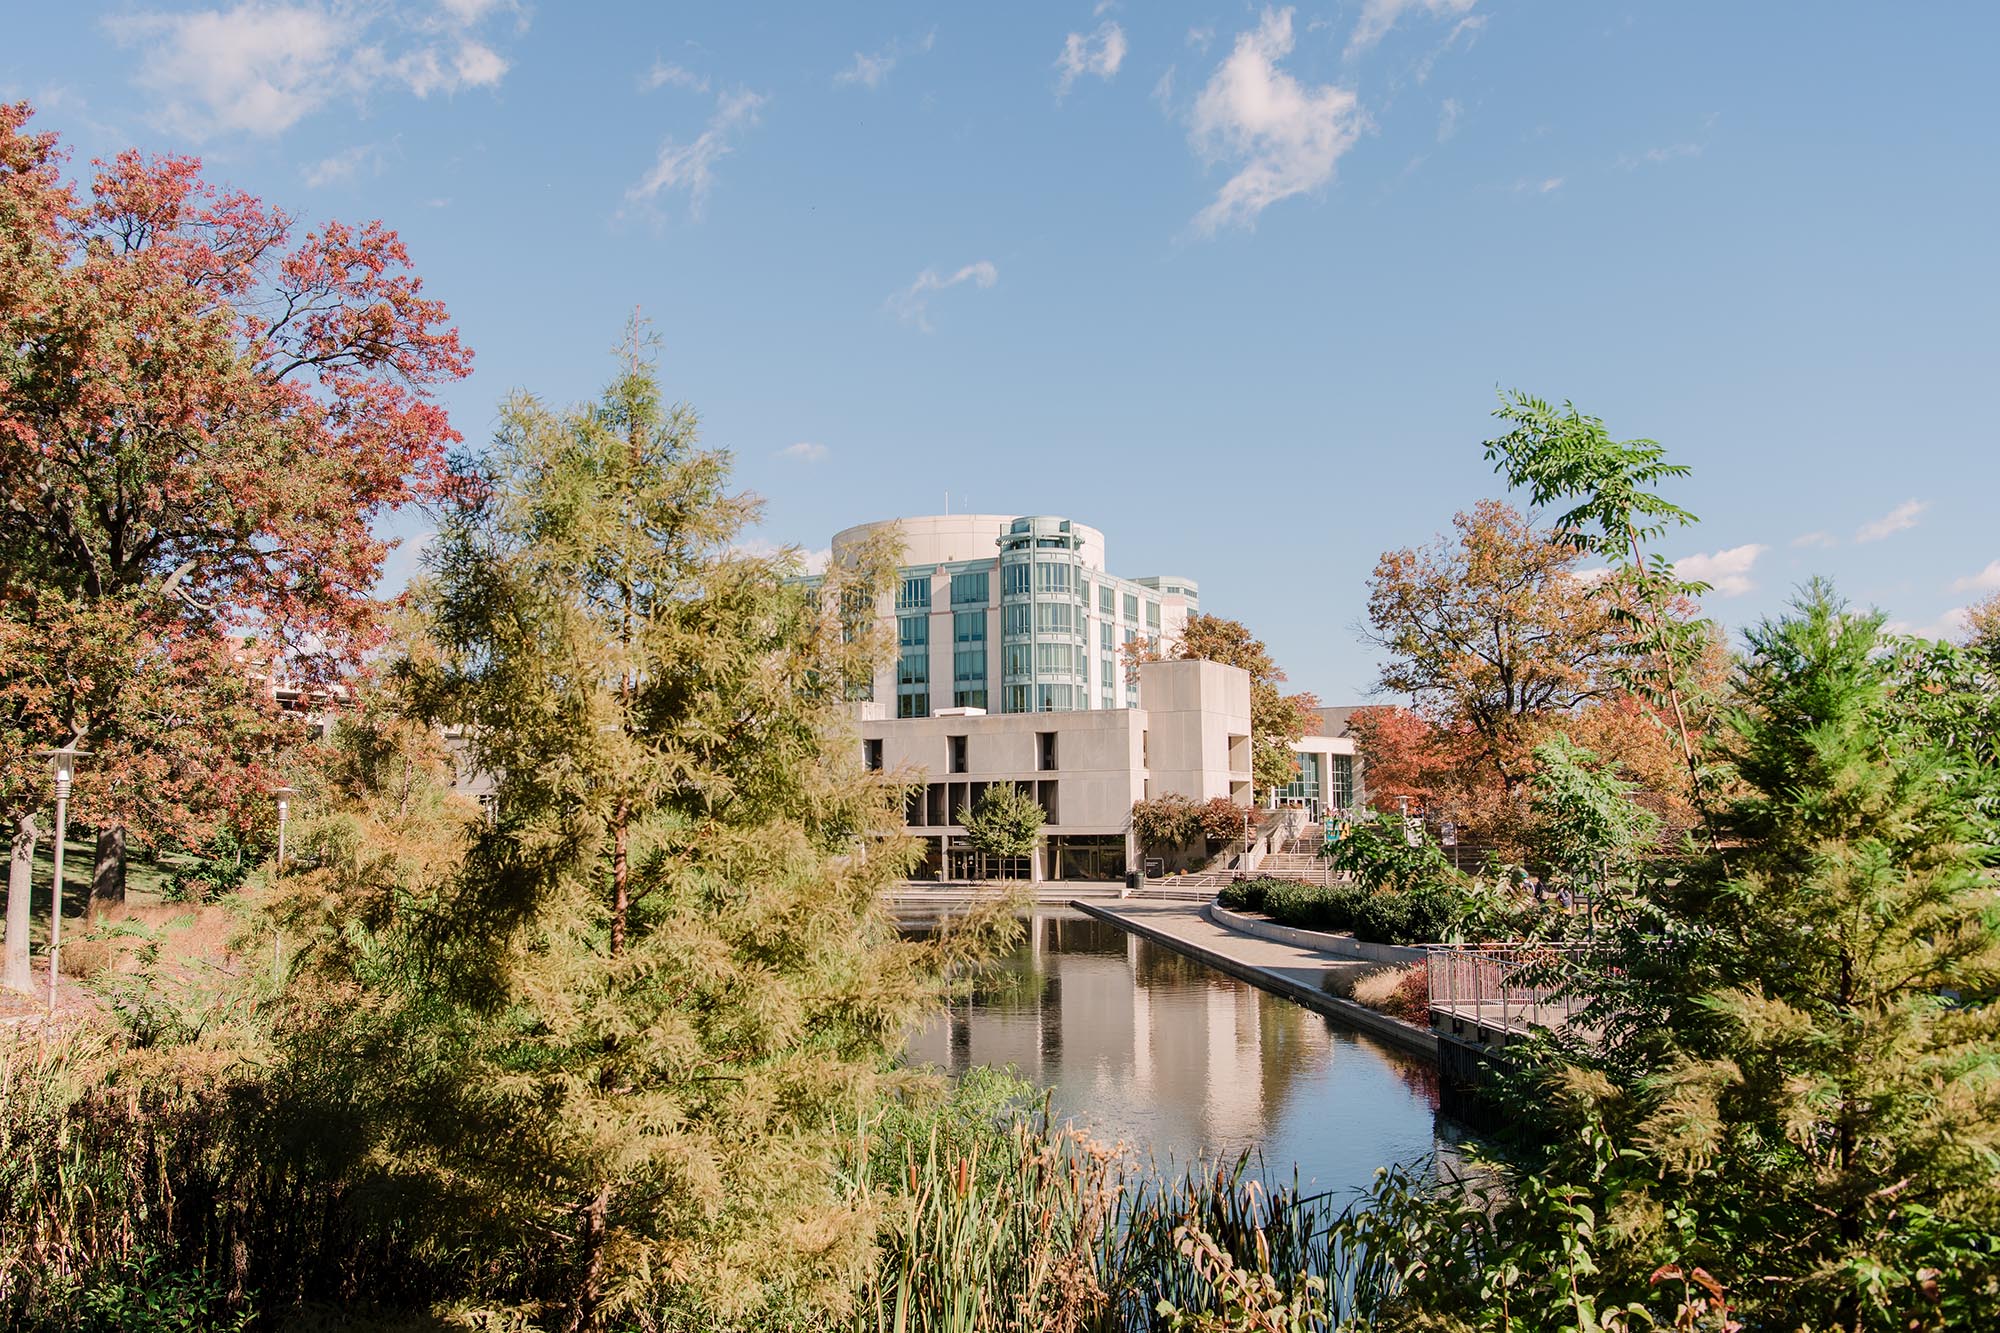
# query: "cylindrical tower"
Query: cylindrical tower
1042,616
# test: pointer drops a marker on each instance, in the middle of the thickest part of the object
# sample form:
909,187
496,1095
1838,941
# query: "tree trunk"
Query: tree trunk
107,882
583,1311
621,880
16,975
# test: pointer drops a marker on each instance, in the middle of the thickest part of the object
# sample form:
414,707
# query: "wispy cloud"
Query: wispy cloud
1947,626
1100,53
1815,539
1378,16
1727,572
805,451
259,69
1986,580
912,304
868,71
1448,112
1201,38
663,75
1286,137
1903,516
1546,185
343,166
690,167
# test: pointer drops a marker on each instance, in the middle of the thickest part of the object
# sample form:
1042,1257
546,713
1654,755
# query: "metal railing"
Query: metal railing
1509,987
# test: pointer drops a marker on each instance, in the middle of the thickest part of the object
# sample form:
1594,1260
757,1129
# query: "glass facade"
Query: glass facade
968,658
1044,616
914,594
1340,787
913,663
969,589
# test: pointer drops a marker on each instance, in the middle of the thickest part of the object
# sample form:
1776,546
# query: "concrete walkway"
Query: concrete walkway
1306,976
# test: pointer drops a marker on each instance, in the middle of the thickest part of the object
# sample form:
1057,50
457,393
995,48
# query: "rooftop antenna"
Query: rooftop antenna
947,504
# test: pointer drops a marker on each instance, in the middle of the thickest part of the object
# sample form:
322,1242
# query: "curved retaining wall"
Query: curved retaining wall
1344,945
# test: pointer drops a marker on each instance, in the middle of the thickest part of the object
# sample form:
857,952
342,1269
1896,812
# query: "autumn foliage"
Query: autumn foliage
205,409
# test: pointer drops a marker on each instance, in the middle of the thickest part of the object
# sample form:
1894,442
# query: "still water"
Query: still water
1178,1060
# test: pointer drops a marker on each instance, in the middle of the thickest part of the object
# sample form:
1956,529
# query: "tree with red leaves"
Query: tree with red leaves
203,415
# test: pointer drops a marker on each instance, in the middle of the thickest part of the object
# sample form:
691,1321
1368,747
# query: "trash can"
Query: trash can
1135,879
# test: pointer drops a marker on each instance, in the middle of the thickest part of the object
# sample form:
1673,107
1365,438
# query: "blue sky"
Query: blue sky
1235,284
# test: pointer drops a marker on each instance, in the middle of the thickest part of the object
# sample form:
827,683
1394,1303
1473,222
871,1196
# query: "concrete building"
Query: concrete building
1014,615
1011,668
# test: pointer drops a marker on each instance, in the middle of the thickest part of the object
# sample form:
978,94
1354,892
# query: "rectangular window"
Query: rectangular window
1051,577
1014,619
969,665
1131,606
1153,616
1104,633
1014,579
913,631
916,703
968,626
871,755
969,589
1105,598
1045,751
1016,699
968,696
1056,659
913,668
1019,660
1340,791
1110,670
956,756
915,594
1055,618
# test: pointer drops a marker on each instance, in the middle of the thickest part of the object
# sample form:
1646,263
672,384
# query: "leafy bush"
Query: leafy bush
1380,916
1378,854
1400,992
219,866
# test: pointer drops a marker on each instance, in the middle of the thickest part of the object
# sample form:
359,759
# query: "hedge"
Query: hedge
1380,916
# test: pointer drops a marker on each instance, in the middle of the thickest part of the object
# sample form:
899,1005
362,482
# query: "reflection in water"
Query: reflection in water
1144,1045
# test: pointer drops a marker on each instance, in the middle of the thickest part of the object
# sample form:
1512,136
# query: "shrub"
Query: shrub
1400,992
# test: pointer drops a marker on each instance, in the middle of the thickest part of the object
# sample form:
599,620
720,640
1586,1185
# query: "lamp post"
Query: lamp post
63,761
284,795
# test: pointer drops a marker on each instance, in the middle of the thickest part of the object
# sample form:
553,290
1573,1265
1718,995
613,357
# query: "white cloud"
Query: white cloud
1471,24
1947,626
662,74
1728,572
758,548
1163,91
691,166
342,166
1447,118
1101,53
1286,136
1378,16
815,562
911,305
868,71
1815,539
1547,185
1655,155
1200,38
260,68
805,451
1896,520
1986,580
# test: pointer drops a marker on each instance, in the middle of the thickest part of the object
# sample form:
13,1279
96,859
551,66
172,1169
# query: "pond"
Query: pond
1142,1044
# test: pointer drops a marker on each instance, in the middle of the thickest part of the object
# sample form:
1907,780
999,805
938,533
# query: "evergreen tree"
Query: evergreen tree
662,982
1794,1087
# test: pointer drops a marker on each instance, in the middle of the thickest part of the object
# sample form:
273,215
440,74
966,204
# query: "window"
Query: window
1340,791
1019,659
969,665
915,703
968,626
1055,618
1131,606
968,696
871,755
913,667
1153,616
915,594
1104,632
1014,579
1051,576
969,589
1110,674
1105,598
955,754
1014,619
1055,698
1058,659
913,631
1015,700
1045,751
1083,592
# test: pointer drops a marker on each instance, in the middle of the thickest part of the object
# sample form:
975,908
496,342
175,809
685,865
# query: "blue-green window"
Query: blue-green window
1014,579
969,589
1051,576
915,594
1055,618
1105,598
1104,633
1153,616
912,631
1131,606
1340,790
1019,659
1014,619
968,627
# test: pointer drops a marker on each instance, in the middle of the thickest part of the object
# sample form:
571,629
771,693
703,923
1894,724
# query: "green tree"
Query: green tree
1006,822
1792,1093
662,979
1585,822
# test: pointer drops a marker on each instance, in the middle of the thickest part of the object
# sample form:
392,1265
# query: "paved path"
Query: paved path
1293,971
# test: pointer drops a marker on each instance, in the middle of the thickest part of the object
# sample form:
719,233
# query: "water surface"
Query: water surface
1142,1044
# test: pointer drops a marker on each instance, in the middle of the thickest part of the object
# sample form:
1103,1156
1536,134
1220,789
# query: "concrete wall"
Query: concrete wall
937,539
1198,727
